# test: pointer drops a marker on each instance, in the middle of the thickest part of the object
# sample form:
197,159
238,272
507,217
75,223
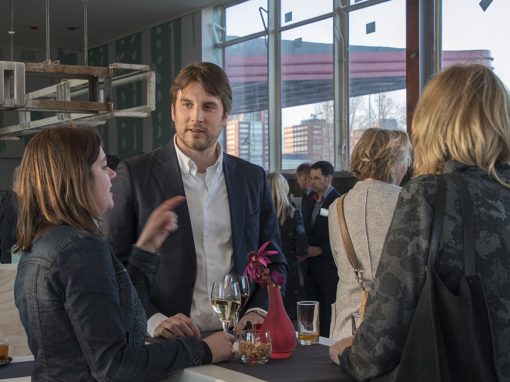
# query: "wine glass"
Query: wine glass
244,286
226,301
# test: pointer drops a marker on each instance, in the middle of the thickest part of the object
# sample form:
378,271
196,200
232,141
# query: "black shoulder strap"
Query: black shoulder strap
437,226
469,229
467,218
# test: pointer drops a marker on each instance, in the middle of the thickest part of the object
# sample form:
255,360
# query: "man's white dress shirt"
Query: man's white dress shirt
209,210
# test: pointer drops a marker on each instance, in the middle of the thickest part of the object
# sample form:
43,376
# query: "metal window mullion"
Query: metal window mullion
307,21
252,36
430,44
438,35
365,4
274,86
341,89
240,40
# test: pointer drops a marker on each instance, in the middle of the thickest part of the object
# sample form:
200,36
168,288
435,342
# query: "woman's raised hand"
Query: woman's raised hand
161,223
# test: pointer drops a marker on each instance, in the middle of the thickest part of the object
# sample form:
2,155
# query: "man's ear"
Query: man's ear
225,119
329,179
172,112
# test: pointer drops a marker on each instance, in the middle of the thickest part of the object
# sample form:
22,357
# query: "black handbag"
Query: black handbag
450,336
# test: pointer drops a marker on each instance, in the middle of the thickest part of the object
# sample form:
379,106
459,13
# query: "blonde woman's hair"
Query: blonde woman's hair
378,154
55,182
463,115
280,190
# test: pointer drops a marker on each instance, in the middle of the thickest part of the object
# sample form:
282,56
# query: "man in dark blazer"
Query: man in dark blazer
228,210
322,280
9,209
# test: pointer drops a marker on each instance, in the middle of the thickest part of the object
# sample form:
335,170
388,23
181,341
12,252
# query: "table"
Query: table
308,363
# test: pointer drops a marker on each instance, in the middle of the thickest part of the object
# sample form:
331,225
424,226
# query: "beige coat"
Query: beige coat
368,209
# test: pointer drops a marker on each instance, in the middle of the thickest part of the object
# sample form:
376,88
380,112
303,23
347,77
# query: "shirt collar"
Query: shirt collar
188,166
319,199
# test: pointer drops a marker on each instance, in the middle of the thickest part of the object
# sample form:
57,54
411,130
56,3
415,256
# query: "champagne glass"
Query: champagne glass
244,286
226,301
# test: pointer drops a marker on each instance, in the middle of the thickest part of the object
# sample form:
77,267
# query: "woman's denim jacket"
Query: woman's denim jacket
84,318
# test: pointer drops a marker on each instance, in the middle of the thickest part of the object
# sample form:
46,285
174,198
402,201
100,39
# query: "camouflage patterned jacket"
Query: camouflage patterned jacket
378,345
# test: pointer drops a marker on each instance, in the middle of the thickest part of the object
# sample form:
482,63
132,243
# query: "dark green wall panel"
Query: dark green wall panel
99,57
68,57
166,61
129,130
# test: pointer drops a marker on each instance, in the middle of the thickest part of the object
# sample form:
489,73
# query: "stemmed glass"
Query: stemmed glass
244,286
226,301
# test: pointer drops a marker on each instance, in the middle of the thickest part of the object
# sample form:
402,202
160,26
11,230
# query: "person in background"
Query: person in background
461,125
82,310
228,210
8,218
293,240
379,161
113,161
305,185
322,278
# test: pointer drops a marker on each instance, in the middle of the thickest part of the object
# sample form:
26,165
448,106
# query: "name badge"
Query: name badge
324,212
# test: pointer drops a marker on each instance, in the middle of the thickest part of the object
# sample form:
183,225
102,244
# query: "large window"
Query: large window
245,62
245,19
294,11
247,134
288,77
377,68
307,94
309,77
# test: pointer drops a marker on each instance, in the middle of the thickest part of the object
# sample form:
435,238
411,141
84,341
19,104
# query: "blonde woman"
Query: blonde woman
461,125
379,160
293,240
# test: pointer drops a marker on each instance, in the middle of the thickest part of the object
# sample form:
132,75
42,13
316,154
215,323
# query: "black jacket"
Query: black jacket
8,219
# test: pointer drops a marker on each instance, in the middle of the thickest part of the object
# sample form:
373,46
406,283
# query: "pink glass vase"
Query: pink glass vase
283,335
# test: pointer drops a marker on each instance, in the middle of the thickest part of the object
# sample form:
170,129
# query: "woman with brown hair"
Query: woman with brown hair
82,310
461,128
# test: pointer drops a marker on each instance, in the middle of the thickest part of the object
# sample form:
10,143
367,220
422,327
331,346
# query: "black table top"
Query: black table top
308,363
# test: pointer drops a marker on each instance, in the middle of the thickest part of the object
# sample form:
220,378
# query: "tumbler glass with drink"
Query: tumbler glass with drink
4,351
308,322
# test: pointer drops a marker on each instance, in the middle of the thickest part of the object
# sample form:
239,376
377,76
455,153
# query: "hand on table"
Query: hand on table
253,317
176,326
221,345
338,348
161,222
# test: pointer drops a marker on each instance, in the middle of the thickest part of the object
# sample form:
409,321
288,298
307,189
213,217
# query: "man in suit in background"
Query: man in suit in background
228,210
322,280
305,184
9,209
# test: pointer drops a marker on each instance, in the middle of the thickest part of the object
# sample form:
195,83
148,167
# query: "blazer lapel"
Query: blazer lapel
236,194
168,175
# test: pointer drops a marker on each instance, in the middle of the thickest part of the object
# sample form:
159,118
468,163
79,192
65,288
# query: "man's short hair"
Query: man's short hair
112,161
213,79
304,168
325,167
